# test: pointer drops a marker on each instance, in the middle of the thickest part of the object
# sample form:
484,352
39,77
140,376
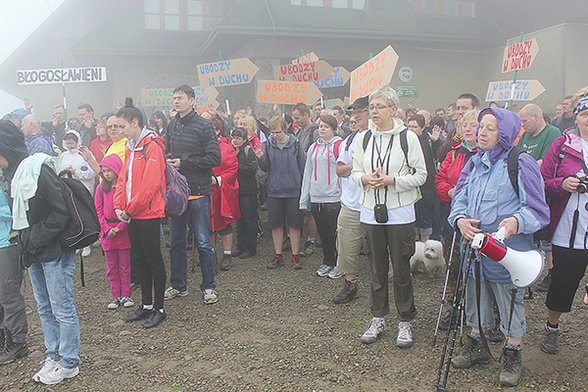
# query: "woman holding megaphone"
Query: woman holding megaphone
484,201
565,169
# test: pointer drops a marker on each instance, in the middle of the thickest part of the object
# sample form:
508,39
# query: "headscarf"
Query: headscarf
12,147
581,105
509,126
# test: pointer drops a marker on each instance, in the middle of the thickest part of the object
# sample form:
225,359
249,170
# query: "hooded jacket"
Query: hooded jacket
141,183
320,183
285,168
406,181
83,171
192,139
104,203
555,169
484,192
225,198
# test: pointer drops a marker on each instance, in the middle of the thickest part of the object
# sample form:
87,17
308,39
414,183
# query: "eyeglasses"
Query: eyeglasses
114,126
378,107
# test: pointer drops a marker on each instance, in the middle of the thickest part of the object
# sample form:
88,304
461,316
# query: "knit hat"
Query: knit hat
12,147
112,162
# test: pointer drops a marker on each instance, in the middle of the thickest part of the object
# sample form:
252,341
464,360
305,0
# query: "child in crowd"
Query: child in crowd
73,162
113,235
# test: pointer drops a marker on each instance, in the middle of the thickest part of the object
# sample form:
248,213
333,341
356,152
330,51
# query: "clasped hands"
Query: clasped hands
377,179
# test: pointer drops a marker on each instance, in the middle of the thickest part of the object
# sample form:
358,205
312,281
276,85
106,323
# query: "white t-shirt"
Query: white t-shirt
350,191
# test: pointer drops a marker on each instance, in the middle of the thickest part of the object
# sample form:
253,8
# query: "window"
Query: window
459,8
195,15
346,4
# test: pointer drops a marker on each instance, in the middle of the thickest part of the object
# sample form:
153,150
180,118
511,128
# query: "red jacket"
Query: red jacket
448,174
147,180
225,199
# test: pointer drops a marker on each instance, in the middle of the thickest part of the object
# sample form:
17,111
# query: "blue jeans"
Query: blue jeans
199,210
52,283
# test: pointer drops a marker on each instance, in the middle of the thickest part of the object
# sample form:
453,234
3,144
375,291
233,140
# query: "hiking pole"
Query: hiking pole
193,238
444,288
82,270
456,308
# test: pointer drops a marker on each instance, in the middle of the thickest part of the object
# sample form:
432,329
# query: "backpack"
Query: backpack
83,228
177,190
403,145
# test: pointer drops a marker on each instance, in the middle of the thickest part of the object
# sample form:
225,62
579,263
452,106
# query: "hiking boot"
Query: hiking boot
49,365
549,344
512,367
226,262
495,335
58,374
170,293
210,296
543,286
335,273
347,293
296,262
404,339
376,328
277,261
13,351
113,304
323,270
237,253
309,247
472,353
127,302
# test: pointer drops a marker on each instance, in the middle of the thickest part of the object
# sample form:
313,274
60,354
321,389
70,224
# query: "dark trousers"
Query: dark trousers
247,225
393,243
13,315
325,215
146,242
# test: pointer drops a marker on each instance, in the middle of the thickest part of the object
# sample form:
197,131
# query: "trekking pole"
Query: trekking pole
456,308
82,270
193,238
444,288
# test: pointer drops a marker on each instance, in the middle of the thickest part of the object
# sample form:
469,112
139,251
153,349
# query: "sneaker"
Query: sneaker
155,318
543,286
58,374
472,353
512,367
404,338
13,351
347,293
139,314
87,251
335,273
49,365
323,270
127,302
309,247
296,262
172,293
210,296
225,263
376,328
114,304
549,344
276,262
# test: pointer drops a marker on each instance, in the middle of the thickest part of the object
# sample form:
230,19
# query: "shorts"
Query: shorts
227,230
569,267
284,211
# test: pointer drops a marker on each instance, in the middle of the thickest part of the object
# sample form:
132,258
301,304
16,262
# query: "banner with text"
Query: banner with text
226,72
372,74
61,75
286,92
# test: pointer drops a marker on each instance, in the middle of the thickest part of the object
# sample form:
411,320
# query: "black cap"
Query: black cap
360,103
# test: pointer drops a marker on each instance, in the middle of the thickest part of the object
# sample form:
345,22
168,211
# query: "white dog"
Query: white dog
428,258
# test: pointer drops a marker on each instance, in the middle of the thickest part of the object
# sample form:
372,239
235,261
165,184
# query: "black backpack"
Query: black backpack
83,228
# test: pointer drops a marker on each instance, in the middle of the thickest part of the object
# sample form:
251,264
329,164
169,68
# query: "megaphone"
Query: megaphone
524,267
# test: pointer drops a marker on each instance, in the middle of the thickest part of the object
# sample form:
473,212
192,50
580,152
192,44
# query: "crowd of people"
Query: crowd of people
371,179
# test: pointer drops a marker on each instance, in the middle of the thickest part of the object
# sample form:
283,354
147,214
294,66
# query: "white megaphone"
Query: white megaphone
524,267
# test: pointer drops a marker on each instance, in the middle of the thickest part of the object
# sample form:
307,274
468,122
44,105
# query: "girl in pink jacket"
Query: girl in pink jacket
113,235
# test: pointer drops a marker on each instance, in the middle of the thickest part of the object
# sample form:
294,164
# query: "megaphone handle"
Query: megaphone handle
499,235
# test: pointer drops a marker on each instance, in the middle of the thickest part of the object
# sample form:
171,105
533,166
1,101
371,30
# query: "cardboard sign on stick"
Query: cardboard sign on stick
226,72
375,72
286,92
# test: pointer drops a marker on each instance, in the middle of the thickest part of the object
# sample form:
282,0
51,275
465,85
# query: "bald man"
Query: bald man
538,135
35,140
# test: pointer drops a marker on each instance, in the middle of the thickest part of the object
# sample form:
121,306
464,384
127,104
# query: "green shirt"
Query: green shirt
537,146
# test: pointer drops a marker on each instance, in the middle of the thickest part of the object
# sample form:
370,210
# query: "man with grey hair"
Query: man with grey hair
36,141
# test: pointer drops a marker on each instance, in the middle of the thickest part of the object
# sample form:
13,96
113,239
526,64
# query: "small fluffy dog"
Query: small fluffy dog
428,258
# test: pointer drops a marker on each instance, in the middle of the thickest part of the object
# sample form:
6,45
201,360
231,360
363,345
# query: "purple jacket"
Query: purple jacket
555,169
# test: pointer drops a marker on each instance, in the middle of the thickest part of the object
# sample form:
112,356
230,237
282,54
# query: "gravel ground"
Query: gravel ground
278,330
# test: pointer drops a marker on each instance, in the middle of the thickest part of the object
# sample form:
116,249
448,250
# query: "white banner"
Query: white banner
61,75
